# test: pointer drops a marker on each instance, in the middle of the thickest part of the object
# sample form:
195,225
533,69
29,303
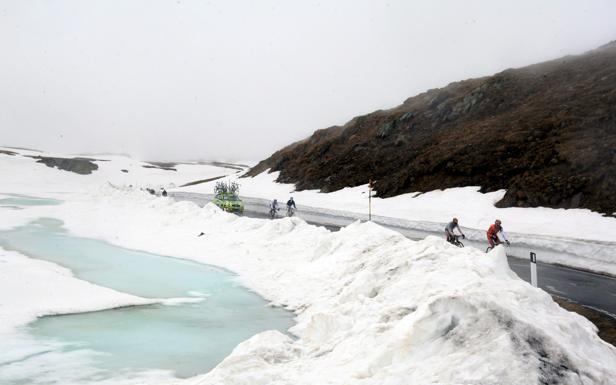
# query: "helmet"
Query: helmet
455,220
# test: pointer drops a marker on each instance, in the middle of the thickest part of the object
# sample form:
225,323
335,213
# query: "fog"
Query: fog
238,79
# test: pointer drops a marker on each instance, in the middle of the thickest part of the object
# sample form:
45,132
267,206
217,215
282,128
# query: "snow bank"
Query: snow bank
474,209
373,306
575,237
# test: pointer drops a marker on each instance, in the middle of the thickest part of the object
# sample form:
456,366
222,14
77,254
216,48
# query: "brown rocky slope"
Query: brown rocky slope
546,133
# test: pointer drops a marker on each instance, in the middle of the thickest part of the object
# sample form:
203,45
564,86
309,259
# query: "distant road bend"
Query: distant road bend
587,288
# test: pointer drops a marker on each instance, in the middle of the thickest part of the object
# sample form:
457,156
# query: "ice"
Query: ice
24,200
184,336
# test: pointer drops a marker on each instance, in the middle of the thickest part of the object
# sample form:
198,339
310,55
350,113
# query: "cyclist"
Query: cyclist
273,207
495,233
291,206
451,226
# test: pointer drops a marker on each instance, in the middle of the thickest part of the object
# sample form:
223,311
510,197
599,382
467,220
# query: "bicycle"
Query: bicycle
496,243
290,211
455,240
272,212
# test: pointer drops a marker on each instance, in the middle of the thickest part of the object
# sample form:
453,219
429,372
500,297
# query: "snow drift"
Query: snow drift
373,307
380,309
578,238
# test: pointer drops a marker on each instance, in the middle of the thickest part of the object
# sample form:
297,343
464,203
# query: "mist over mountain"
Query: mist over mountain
546,133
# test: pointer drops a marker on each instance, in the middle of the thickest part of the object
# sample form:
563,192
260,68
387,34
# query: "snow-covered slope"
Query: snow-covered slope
31,288
373,307
22,174
474,209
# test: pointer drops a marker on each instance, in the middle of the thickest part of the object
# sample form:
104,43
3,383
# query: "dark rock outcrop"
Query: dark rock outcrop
167,166
81,166
546,133
10,153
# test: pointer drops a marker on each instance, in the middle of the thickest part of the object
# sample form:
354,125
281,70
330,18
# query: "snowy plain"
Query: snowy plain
31,288
373,307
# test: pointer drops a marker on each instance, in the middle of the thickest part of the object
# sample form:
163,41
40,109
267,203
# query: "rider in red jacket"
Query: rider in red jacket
493,231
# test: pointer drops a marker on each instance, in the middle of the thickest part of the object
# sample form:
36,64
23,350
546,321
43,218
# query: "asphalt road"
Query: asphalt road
585,288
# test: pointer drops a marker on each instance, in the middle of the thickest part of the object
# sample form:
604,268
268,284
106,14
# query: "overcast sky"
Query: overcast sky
238,79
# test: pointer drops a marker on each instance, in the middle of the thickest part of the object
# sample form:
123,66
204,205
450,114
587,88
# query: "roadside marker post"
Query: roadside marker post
533,269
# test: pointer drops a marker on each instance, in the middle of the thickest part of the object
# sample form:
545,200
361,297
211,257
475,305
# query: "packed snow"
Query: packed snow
373,307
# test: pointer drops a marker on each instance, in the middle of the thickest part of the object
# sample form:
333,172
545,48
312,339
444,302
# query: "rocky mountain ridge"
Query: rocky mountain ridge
546,133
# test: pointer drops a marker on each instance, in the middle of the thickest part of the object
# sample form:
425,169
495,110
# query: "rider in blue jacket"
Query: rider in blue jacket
290,203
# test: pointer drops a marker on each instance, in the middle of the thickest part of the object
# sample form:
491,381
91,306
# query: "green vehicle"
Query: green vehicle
229,202
226,197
